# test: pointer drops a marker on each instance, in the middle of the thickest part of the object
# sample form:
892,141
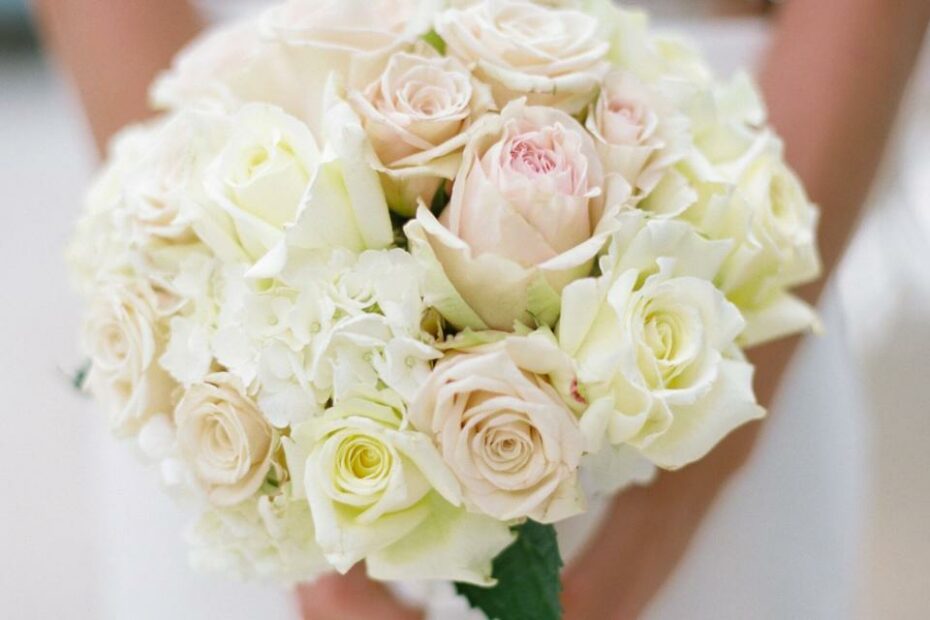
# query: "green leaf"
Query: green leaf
433,38
469,338
440,200
543,303
527,574
79,378
397,223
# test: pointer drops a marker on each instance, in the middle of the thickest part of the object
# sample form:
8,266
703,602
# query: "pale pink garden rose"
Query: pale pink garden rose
553,56
508,435
639,136
526,217
416,115
224,438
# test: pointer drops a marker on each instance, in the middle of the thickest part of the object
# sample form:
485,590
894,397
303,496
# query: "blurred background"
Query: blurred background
61,513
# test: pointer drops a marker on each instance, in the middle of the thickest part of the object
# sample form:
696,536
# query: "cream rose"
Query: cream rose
526,217
349,38
504,430
123,340
655,345
271,188
224,438
223,68
260,178
774,226
415,115
380,492
161,191
554,57
639,137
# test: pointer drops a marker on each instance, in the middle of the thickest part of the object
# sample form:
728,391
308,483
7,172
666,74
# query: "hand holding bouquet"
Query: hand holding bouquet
406,282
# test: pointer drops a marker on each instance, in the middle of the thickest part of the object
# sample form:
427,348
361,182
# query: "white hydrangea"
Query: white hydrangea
269,538
329,324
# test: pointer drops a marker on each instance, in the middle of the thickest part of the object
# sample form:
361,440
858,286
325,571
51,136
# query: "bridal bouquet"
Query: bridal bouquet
408,282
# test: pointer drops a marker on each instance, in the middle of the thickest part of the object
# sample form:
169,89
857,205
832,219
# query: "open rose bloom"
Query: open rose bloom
387,279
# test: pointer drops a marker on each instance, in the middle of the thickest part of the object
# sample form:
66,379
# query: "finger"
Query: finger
352,596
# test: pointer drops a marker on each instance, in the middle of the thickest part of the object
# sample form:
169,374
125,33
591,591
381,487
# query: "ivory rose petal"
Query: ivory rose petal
554,57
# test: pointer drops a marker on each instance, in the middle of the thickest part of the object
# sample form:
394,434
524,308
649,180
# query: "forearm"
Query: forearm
834,78
112,49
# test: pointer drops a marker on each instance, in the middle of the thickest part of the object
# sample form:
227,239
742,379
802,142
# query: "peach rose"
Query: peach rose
504,430
224,437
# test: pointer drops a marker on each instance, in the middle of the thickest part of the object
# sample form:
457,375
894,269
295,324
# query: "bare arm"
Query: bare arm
112,49
833,78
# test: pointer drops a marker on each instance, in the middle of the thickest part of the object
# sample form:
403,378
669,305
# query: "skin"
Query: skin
865,50
112,50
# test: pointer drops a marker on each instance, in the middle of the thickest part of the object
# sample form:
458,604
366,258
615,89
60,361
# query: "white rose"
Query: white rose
554,57
382,493
102,242
758,202
416,114
526,217
350,38
635,47
655,345
259,179
123,340
272,188
224,438
161,191
504,430
225,67
639,136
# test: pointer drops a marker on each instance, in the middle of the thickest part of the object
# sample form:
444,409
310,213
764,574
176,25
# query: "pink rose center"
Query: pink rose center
547,158
531,159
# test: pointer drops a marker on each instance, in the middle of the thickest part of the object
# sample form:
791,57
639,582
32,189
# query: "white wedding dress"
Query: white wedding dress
780,543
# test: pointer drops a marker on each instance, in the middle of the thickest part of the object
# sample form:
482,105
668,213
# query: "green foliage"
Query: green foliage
79,378
440,200
527,573
433,38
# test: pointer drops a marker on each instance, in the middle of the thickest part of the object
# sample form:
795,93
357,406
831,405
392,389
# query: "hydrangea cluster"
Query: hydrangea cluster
388,277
